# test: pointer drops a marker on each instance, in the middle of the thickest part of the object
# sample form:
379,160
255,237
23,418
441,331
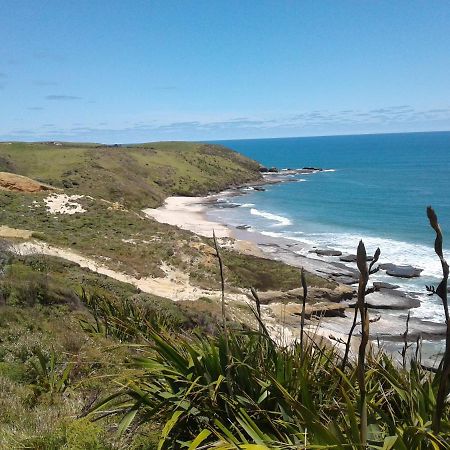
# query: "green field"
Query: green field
139,176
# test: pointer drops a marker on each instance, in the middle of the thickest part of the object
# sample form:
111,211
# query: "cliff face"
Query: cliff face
136,176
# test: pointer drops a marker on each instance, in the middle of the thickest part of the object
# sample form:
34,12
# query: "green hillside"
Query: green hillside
137,176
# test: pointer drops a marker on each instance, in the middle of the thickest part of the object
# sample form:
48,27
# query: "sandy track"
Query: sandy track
175,285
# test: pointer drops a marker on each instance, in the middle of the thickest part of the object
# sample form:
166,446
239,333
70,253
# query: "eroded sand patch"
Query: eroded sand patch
64,204
19,183
7,232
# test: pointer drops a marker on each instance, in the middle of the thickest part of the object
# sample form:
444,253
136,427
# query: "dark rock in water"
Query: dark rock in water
243,227
326,252
391,299
272,170
313,168
352,258
225,205
258,188
401,271
382,285
263,169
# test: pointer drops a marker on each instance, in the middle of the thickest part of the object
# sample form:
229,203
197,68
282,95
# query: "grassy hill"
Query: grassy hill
72,339
134,176
137,176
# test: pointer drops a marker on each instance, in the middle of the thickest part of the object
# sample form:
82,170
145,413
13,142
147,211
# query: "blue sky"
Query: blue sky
135,71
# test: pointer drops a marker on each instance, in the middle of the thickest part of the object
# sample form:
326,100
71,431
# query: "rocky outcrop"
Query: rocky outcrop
401,271
326,252
383,285
243,227
19,183
314,169
291,312
337,295
352,258
390,299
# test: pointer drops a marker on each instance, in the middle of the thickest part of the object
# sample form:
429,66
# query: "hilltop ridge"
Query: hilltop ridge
136,176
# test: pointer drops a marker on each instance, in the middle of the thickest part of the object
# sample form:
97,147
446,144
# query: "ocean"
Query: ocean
375,188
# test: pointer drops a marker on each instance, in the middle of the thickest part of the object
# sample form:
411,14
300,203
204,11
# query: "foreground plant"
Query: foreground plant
276,397
443,374
239,389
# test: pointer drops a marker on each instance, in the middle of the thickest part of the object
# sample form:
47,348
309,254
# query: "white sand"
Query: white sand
175,285
188,213
63,204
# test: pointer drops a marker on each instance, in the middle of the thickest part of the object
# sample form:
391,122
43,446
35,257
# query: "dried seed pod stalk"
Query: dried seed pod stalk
441,291
302,323
361,307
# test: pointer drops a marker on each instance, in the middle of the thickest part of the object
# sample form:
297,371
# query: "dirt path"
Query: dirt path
175,285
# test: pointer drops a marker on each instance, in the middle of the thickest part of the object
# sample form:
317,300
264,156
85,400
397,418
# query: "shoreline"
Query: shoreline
191,213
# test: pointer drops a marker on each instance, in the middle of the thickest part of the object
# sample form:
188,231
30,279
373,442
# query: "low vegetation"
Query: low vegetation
87,362
138,176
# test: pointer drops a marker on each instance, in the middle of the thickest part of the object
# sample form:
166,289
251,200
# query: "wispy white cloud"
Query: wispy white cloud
62,97
390,118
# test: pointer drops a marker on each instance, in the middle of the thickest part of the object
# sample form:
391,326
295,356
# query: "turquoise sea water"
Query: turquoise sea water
378,191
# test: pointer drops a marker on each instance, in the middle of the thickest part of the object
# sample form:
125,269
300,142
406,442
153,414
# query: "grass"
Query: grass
51,368
140,176
109,367
135,176
176,381
128,242
240,389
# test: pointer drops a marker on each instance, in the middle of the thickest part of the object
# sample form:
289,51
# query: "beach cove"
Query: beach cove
388,306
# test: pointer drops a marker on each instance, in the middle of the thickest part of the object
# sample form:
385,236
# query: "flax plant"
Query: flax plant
443,374
305,293
375,258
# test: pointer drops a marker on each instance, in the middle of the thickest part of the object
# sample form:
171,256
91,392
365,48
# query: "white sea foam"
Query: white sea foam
329,170
272,234
281,221
247,205
397,252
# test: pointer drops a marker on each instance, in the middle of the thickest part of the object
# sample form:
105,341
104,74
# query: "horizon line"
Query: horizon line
224,140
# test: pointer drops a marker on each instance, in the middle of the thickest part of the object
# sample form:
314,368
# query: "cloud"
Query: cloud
391,109
62,97
387,119
45,83
24,132
439,110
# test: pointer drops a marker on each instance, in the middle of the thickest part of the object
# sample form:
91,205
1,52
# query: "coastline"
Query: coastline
191,213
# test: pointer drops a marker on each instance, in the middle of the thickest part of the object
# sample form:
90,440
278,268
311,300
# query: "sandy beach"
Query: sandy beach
190,213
